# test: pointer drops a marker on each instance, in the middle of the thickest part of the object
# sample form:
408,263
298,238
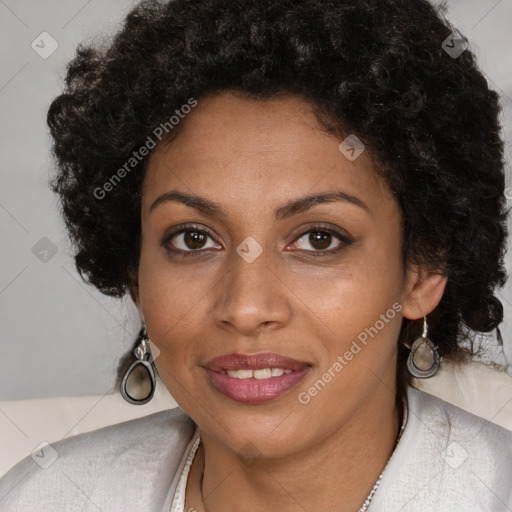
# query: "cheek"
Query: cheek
165,297
167,290
352,296
361,309
351,315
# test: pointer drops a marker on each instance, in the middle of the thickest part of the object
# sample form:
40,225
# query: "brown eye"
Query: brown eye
320,240
189,241
194,239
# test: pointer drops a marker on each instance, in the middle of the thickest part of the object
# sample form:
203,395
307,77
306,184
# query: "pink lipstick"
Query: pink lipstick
255,378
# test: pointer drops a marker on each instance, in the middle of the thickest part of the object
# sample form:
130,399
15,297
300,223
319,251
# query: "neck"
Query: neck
342,469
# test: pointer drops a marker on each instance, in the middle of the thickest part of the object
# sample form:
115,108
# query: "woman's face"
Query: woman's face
254,268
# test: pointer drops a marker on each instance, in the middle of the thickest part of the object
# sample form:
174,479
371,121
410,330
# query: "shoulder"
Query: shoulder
463,438
127,466
448,420
447,460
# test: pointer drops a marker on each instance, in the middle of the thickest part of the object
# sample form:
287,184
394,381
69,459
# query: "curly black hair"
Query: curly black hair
374,68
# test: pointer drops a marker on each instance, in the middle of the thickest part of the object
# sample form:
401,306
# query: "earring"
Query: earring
139,382
423,361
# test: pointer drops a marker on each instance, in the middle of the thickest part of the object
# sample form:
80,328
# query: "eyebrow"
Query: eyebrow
213,209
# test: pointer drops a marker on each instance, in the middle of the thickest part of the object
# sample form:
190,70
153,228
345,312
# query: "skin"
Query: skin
251,158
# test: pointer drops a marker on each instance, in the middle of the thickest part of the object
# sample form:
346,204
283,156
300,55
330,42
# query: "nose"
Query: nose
252,296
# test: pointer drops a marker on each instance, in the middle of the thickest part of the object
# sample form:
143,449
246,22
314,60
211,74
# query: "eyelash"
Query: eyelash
345,240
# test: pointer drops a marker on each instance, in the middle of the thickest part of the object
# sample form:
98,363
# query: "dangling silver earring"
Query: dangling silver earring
423,361
139,382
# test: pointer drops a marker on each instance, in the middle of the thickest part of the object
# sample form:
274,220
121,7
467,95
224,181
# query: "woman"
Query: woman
306,202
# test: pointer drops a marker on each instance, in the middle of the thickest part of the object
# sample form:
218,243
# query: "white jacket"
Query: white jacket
448,460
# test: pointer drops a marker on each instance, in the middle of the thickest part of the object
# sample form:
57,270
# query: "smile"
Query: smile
255,378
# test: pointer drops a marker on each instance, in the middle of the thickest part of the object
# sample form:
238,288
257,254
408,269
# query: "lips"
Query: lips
254,362
255,378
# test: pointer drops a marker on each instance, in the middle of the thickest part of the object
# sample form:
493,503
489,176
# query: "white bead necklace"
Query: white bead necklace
368,500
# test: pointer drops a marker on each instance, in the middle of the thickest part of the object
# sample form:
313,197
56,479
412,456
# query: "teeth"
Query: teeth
240,374
262,373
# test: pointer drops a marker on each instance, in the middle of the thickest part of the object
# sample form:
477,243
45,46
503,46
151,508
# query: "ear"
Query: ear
134,290
134,294
423,291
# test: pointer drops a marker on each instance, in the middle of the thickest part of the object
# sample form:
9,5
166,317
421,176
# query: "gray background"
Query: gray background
59,336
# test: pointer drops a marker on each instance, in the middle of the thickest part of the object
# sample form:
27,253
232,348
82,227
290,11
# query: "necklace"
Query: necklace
368,500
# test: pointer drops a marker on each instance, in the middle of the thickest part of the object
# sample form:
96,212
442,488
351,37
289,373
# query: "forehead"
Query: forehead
234,147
